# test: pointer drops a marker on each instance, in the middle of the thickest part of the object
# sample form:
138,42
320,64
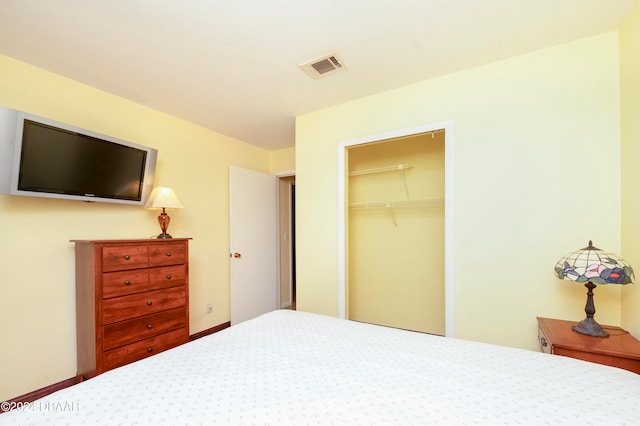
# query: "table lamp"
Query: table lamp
163,198
592,266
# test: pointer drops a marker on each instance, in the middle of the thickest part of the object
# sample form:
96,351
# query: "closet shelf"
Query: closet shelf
399,204
385,169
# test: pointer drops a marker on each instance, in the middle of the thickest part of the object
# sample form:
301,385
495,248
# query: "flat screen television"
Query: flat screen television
43,158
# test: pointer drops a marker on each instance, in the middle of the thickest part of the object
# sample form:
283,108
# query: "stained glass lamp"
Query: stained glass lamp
592,266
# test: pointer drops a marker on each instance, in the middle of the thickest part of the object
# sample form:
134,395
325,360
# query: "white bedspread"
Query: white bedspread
295,368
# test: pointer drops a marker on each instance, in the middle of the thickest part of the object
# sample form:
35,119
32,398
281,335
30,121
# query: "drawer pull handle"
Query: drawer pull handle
127,257
149,303
169,254
543,342
149,326
127,282
168,277
149,349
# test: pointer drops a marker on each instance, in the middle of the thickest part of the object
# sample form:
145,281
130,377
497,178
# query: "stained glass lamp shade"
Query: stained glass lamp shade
592,266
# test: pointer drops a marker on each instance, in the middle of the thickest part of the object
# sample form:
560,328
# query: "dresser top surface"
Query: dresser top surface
138,241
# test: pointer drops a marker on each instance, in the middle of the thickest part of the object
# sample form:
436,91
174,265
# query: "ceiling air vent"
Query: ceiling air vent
321,67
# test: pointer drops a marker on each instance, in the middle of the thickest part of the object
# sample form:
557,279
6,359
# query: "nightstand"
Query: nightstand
620,349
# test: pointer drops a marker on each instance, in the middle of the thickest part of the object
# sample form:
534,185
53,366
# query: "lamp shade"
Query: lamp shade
163,198
594,265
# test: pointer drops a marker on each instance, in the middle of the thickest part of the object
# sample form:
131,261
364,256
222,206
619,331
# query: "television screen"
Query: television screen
40,157
64,162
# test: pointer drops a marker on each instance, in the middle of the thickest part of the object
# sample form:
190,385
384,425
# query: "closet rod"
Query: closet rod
394,168
395,204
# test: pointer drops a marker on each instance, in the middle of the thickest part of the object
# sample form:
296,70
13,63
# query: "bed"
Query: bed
293,368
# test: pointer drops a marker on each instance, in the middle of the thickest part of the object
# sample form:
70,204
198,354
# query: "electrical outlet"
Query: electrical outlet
209,307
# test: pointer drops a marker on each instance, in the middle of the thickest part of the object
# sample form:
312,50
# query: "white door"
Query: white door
252,209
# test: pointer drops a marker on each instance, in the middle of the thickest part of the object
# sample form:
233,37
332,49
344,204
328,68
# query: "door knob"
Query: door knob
237,255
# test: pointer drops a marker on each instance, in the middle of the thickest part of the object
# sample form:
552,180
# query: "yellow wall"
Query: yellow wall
37,302
536,154
630,137
283,160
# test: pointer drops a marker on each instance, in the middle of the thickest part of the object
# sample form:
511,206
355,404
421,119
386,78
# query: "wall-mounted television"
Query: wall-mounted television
44,158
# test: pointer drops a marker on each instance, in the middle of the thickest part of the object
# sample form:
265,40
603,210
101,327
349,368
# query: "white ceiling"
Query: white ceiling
232,65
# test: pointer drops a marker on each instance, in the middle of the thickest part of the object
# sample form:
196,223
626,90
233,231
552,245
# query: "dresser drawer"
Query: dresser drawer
124,282
118,258
167,254
125,332
135,305
121,283
144,348
167,276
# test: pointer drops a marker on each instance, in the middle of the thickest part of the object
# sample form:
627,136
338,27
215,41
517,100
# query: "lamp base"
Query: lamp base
164,220
590,327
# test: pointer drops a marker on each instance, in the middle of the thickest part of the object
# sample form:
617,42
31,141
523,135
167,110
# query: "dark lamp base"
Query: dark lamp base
164,220
590,327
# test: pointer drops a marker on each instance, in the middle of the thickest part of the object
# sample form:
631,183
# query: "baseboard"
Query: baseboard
209,331
37,394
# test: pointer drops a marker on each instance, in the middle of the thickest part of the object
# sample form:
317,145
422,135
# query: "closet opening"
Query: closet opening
396,229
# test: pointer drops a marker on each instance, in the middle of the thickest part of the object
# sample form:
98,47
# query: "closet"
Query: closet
395,232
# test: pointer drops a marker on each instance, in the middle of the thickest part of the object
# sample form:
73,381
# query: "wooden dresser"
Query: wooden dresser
620,349
132,300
